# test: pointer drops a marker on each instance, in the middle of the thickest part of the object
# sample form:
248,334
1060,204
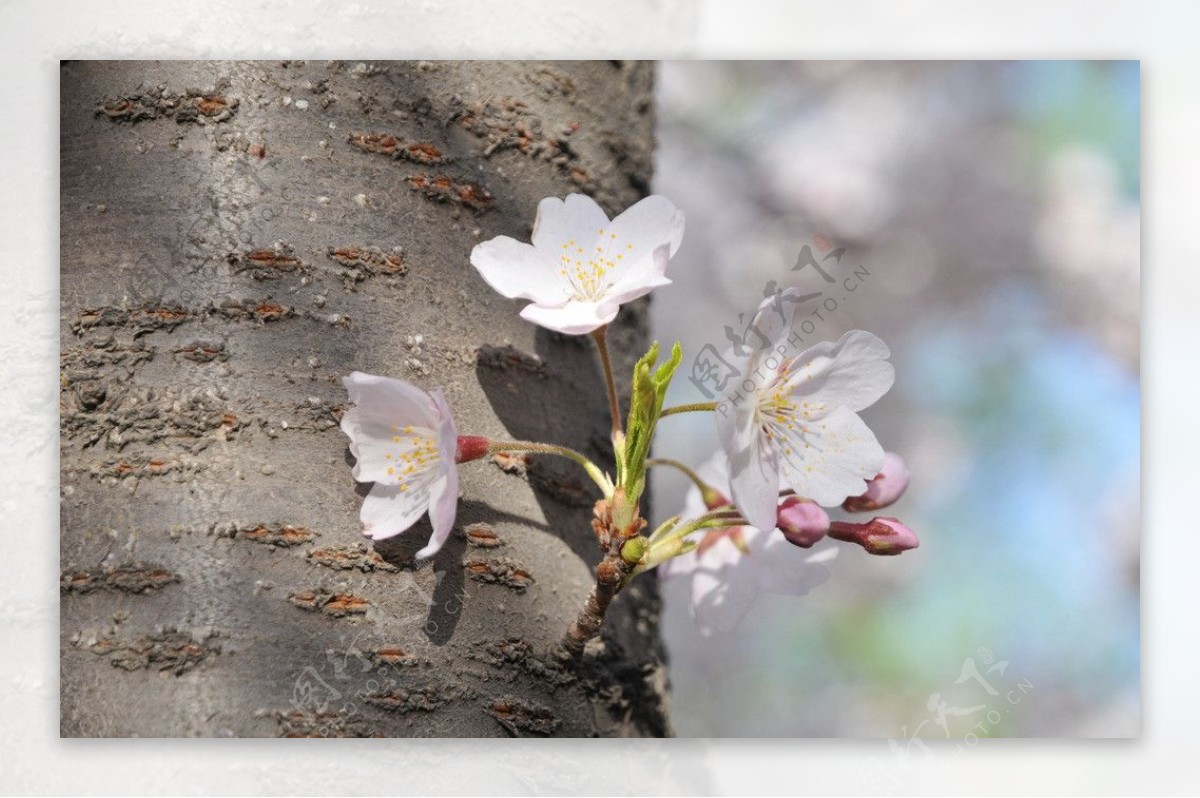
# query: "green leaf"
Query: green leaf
650,383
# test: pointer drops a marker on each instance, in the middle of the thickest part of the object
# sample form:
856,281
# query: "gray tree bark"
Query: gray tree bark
236,237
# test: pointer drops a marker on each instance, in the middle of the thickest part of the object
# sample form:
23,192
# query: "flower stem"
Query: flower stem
697,407
591,468
600,336
723,517
712,497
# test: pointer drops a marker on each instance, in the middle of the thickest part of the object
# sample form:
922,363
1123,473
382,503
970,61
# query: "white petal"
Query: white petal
683,565
648,224
379,450
633,251
829,459
383,407
791,570
753,465
519,271
576,222
443,506
852,373
773,324
387,511
573,318
722,594
634,285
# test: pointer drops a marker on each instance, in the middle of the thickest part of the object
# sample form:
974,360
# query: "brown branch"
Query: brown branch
611,574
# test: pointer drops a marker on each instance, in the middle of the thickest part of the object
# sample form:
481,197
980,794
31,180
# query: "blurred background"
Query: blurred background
989,217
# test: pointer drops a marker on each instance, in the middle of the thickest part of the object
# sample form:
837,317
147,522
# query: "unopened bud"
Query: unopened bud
887,486
470,447
884,536
633,549
802,522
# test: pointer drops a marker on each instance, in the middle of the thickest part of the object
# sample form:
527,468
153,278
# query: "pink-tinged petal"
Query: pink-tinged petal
852,373
443,507
828,459
447,431
573,318
575,222
520,271
443,493
884,489
753,465
387,510
791,571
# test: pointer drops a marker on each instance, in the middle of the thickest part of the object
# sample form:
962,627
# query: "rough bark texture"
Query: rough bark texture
237,236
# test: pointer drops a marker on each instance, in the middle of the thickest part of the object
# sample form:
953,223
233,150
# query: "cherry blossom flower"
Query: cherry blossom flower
799,424
581,267
731,566
404,441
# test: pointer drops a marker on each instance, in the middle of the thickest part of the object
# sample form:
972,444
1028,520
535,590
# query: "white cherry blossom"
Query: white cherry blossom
797,425
581,267
404,441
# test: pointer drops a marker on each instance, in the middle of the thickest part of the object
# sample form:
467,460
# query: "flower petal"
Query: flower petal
443,506
790,570
575,222
753,465
723,593
388,417
631,286
830,458
443,493
646,225
388,510
519,271
852,373
772,324
573,318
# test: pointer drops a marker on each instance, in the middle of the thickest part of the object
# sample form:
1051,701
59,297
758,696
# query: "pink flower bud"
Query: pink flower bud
802,522
887,486
879,536
470,447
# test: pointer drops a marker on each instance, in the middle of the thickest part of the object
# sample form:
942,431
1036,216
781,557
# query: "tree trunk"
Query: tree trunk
235,238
